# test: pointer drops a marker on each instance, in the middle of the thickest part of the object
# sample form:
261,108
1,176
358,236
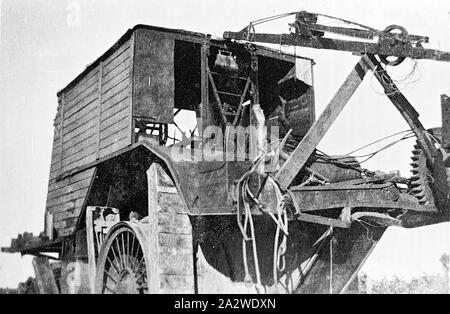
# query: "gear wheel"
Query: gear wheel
421,178
430,185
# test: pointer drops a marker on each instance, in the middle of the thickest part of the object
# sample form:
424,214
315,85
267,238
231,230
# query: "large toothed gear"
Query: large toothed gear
430,185
421,179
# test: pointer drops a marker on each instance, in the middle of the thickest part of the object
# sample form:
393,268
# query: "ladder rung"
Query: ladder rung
152,127
231,76
229,94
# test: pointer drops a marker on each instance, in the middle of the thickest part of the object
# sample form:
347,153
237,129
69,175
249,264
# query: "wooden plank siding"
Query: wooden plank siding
93,120
66,198
115,120
94,116
80,118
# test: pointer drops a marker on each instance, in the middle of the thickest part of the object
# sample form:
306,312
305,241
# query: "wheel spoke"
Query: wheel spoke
136,259
115,257
128,249
109,289
134,262
141,275
132,250
116,241
113,265
139,265
124,254
111,276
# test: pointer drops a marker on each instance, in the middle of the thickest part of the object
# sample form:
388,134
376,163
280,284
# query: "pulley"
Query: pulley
397,34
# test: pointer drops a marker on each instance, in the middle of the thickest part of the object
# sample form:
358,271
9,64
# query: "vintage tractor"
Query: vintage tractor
240,200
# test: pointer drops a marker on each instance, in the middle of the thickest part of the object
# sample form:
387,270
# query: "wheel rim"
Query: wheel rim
122,268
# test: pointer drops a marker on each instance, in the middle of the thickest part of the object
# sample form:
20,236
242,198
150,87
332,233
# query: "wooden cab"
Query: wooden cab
143,82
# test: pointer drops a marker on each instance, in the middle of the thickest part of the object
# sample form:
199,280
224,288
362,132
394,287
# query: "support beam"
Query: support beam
92,265
204,116
384,47
152,229
318,130
376,196
324,220
445,104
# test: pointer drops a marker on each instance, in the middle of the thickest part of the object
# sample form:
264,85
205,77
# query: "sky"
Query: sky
44,44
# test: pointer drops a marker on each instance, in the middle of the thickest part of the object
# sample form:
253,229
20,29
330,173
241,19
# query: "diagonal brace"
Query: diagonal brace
307,146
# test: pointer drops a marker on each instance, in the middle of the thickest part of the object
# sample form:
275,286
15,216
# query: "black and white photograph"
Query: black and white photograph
224,152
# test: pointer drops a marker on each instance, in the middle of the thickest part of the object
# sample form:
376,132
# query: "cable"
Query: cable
281,221
362,223
391,88
349,22
248,221
271,18
371,155
335,161
409,134
377,141
252,24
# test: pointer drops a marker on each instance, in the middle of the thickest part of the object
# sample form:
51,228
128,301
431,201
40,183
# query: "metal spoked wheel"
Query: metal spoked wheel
122,266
